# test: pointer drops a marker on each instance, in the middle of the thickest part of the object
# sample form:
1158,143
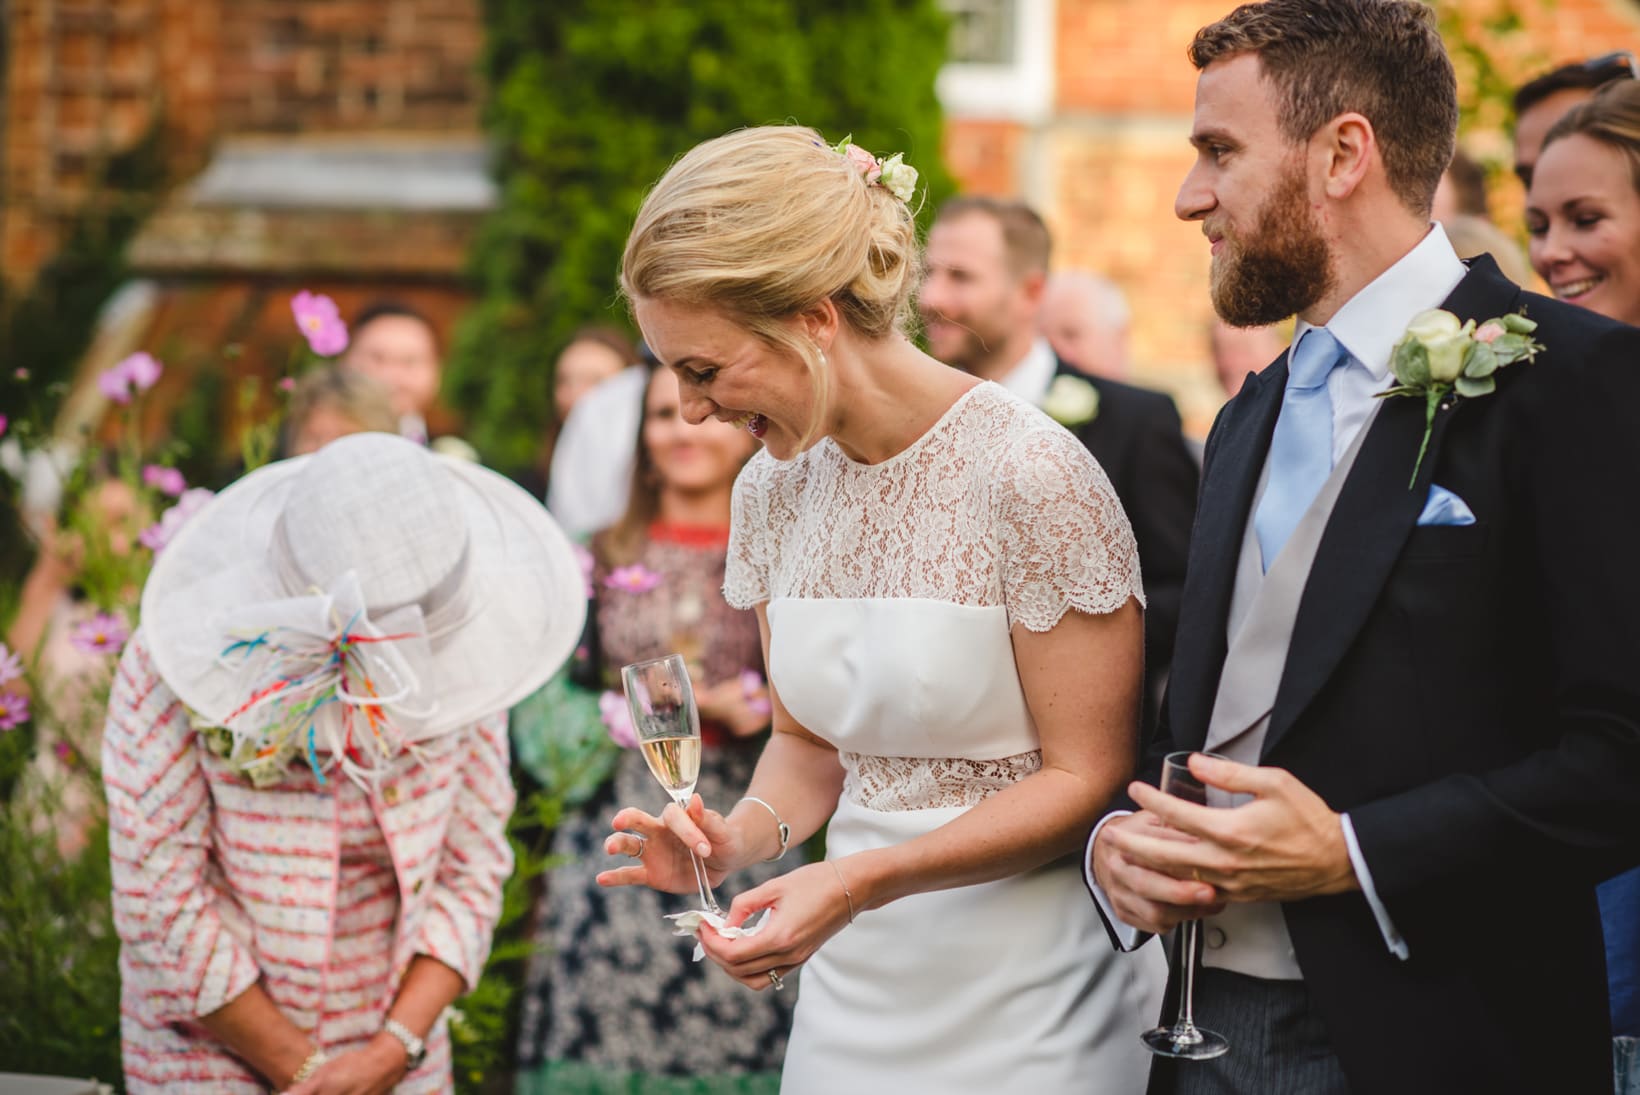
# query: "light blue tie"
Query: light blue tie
1301,452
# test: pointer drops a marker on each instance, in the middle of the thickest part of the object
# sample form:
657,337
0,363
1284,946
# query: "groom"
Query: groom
1433,693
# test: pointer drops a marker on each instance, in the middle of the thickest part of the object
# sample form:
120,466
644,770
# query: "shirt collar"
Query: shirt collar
1372,321
1031,378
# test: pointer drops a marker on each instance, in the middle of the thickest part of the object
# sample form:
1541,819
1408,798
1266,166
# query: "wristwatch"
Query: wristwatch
415,1050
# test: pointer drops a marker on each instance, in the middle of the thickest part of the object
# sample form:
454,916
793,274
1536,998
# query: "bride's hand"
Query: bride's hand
806,907
660,847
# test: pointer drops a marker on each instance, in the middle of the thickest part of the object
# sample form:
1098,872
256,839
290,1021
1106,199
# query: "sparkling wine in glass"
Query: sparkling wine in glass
668,730
1184,1039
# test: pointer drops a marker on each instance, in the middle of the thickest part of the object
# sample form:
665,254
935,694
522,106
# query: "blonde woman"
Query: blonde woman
950,605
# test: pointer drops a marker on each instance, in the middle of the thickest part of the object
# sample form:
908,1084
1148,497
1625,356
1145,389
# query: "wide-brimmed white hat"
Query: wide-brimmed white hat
454,584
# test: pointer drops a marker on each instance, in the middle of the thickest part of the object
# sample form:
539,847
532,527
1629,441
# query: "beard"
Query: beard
1283,266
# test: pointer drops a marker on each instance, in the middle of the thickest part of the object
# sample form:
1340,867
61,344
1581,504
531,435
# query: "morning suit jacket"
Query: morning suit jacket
1470,695
1138,440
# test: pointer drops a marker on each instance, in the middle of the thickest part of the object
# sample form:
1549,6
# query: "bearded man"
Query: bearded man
1418,660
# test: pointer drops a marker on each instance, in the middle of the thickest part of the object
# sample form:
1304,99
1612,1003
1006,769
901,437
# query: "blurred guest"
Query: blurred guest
1462,190
1471,236
1086,320
1583,217
614,1002
1542,102
1240,351
987,264
332,402
304,880
396,345
593,355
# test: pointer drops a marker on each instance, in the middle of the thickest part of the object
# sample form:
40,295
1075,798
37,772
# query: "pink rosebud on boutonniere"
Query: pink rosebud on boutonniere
635,578
1490,331
102,634
165,480
320,323
617,719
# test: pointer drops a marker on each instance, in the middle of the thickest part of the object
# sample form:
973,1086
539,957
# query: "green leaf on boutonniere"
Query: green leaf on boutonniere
1471,388
1479,360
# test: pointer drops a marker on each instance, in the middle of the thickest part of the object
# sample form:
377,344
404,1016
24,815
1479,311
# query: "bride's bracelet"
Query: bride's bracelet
847,896
784,830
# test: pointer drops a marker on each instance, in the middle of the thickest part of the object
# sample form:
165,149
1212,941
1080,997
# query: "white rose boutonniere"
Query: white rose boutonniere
1071,401
1441,359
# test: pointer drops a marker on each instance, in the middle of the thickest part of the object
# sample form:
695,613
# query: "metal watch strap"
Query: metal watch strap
415,1050
781,827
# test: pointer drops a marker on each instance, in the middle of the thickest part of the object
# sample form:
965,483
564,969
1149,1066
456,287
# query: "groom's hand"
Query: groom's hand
1142,896
1284,845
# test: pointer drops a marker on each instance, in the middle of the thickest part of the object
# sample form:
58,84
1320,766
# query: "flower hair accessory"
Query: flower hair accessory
893,174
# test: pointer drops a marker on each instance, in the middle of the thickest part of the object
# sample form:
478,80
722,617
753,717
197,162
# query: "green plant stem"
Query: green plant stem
1432,403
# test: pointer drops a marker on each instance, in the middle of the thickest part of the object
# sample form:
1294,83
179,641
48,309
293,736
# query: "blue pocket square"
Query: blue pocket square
1445,508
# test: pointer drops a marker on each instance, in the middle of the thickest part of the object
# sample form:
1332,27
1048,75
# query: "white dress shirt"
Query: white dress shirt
1031,378
1368,326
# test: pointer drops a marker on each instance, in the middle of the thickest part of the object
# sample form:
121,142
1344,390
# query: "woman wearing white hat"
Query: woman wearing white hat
306,766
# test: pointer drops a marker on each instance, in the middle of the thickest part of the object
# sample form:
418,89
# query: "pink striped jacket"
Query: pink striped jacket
218,884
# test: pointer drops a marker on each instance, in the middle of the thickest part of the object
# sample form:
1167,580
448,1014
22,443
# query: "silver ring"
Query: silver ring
774,979
643,846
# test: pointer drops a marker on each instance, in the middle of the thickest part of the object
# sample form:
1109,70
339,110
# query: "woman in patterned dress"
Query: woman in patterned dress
951,611
615,1002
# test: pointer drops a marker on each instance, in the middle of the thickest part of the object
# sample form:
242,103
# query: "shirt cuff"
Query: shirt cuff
1129,936
1392,938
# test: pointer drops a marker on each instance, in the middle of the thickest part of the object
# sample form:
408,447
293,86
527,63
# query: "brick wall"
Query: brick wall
87,78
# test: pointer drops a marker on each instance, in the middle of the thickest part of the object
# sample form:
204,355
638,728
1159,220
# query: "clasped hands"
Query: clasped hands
806,906
1175,860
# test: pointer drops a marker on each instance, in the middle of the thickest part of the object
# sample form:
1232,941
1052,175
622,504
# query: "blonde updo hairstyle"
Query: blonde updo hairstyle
765,223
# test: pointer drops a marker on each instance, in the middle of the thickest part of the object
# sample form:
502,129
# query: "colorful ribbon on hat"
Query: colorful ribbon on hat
320,677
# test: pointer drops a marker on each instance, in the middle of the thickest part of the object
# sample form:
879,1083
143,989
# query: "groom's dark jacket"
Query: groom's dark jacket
1470,695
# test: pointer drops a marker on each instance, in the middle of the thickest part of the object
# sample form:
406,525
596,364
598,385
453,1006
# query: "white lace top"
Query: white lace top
892,588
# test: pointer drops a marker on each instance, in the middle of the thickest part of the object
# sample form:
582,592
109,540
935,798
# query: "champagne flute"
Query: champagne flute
1184,1039
667,724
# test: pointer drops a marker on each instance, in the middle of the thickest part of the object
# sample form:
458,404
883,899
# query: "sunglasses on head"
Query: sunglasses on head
1619,64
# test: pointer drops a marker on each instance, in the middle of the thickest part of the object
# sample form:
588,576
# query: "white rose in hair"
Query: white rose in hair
899,177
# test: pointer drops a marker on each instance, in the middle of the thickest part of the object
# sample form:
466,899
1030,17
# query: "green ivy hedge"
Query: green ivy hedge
592,99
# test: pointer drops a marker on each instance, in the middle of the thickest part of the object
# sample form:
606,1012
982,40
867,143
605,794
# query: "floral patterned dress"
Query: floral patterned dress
614,1001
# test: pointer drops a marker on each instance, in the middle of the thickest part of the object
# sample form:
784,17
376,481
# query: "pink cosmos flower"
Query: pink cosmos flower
584,557
3,421
617,719
755,689
102,634
287,384
320,323
1490,331
21,374
139,372
863,162
636,578
11,666
13,710
65,753
165,480
157,535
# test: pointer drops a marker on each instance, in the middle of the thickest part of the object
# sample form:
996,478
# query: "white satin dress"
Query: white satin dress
891,591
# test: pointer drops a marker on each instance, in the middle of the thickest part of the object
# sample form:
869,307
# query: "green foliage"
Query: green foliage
592,99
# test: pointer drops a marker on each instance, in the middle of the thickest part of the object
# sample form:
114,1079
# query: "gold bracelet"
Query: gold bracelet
316,1060
847,896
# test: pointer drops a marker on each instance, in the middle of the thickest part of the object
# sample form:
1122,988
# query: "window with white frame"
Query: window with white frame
1001,59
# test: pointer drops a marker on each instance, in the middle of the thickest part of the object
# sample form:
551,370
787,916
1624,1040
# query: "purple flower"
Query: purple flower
157,535
755,689
65,753
636,578
165,480
102,634
320,323
3,421
617,719
13,710
138,372
11,666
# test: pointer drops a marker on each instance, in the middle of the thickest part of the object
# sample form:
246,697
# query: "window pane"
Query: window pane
982,31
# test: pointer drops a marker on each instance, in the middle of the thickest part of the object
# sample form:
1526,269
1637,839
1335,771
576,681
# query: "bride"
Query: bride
951,612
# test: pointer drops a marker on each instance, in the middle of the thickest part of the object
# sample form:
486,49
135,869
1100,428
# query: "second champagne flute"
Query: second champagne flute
1184,1039
667,725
